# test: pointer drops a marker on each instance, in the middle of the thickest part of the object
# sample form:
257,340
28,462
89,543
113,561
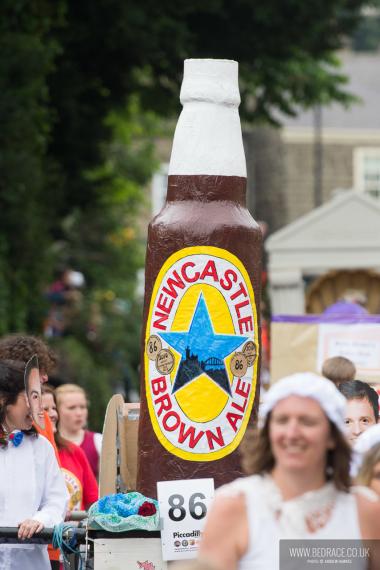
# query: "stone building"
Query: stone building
318,153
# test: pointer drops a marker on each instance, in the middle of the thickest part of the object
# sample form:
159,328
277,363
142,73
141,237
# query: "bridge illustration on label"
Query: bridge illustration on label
191,368
202,350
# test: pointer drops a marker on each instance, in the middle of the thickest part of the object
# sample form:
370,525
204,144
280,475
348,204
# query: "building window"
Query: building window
159,188
367,170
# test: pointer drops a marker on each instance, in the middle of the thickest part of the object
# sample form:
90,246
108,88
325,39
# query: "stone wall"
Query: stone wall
281,171
299,165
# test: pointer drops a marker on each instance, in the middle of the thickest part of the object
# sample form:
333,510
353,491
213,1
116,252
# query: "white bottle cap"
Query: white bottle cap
214,80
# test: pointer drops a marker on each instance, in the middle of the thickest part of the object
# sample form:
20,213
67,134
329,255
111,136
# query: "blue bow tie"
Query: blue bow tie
16,438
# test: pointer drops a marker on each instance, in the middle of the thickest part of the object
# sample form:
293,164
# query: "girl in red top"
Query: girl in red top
76,469
73,412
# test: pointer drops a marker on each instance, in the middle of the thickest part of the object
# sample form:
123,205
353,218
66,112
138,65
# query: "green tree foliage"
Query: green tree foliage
284,47
111,48
101,236
26,58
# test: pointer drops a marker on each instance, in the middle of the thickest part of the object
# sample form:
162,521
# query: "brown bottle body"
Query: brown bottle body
199,211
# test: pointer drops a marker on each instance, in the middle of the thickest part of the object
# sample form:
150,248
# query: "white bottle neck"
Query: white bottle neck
208,138
208,141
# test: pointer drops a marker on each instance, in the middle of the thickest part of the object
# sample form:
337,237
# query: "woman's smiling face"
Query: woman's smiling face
300,434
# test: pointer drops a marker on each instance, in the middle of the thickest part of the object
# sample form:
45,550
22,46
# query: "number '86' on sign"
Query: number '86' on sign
196,508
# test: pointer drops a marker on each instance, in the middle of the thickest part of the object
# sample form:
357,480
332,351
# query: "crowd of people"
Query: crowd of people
313,464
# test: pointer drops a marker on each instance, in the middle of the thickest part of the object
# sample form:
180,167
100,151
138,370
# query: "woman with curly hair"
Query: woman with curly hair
32,490
299,484
22,347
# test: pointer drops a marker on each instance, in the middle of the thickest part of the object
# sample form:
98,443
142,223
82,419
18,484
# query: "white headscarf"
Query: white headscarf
306,385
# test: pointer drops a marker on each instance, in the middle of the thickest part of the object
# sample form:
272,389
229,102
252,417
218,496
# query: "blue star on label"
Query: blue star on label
202,351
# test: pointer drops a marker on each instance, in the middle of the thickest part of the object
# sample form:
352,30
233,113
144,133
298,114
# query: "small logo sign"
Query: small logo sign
201,353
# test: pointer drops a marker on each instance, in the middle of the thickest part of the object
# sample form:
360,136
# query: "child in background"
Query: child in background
338,369
78,475
73,413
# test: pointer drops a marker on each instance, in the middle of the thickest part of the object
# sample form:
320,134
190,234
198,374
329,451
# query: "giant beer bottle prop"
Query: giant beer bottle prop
202,294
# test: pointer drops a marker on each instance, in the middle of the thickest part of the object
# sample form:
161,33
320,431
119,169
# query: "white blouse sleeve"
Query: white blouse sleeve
54,498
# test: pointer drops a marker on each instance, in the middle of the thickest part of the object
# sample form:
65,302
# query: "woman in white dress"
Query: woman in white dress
299,483
33,494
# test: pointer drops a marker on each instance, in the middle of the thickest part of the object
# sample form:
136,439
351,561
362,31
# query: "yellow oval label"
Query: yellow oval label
200,387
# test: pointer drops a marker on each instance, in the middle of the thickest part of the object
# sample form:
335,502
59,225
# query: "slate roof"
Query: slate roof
363,69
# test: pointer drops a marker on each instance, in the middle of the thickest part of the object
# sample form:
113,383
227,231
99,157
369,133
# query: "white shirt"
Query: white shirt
271,519
31,486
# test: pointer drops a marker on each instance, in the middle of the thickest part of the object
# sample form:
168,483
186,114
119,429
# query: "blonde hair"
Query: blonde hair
68,389
371,458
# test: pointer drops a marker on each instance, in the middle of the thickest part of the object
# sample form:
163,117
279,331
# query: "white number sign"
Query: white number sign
183,508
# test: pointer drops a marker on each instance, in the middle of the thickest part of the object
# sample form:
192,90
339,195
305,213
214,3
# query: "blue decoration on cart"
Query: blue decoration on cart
120,513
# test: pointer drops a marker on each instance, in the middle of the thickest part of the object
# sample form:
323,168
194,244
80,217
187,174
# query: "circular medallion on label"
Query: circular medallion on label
202,327
153,347
238,365
164,361
249,351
